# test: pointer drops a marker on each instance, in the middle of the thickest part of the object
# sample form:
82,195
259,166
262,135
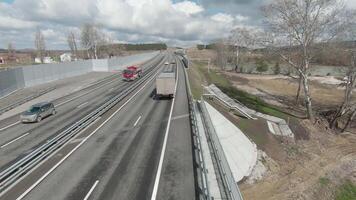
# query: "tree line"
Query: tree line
92,42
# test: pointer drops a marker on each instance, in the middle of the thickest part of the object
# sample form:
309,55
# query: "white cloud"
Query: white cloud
123,20
351,4
7,22
188,7
241,18
221,17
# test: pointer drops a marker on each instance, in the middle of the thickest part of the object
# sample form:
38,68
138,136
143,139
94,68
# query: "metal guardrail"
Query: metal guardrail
231,186
231,107
25,164
204,193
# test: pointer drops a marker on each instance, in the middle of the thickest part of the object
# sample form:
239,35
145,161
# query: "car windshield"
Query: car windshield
33,109
126,71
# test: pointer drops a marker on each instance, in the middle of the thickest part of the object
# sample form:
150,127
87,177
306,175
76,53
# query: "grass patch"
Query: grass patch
212,76
324,181
346,191
195,83
255,130
252,101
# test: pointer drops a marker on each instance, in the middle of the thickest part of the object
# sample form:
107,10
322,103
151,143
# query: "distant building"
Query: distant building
66,57
38,60
46,60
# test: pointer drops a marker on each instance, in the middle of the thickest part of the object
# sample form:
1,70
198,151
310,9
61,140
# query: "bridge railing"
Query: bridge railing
199,162
231,188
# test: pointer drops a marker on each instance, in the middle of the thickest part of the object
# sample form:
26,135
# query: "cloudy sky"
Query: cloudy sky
176,22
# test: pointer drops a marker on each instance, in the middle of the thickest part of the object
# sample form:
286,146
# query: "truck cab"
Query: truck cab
131,73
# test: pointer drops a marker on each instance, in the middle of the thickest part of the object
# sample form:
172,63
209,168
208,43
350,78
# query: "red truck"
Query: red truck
131,73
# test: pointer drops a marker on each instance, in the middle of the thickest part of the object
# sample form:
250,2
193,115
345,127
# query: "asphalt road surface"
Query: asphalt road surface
129,153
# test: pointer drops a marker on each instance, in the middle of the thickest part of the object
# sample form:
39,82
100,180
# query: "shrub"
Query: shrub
277,68
261,66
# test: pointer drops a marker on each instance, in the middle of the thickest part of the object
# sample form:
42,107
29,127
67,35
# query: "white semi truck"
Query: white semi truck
165,82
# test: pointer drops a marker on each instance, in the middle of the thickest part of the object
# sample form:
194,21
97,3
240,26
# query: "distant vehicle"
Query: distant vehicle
173,62
165,83
131,73
38,112
166,63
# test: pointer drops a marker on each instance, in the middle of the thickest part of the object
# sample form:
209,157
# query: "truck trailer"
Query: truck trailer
165,84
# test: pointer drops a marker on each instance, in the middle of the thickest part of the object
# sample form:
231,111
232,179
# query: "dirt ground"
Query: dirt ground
312,170
308,169
324,92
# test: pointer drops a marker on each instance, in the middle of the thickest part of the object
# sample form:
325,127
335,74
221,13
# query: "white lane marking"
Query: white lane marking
91,190
137,121
9,94
180,116
11,125
77,89
14,140
159,170
81,143
81,105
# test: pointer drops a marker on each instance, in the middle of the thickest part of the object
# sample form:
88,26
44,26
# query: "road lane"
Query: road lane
116,148
123,155
47,128
177,177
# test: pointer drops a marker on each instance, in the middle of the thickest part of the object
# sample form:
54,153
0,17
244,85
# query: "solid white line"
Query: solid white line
81,143
9,93
11,125
159,170
137,121
81,105
14,140
91,190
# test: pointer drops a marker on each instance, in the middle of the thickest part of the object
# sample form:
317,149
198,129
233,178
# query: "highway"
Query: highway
139,149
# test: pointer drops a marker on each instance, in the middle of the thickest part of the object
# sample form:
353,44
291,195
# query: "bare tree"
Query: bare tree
221,48
92,38
72,43
303,23
40,44
241,38
346,107
11,52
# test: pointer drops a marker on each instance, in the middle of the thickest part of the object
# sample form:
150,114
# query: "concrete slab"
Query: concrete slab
240,152
211,174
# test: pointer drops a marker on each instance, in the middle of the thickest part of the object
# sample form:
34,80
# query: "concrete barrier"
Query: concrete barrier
25,76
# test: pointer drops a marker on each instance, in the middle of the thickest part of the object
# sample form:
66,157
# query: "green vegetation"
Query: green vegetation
261,66
252,101
346,191
277,68
254,130
324,181
200,46
195,81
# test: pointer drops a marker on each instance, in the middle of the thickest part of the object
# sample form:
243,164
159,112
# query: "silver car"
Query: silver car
37,112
